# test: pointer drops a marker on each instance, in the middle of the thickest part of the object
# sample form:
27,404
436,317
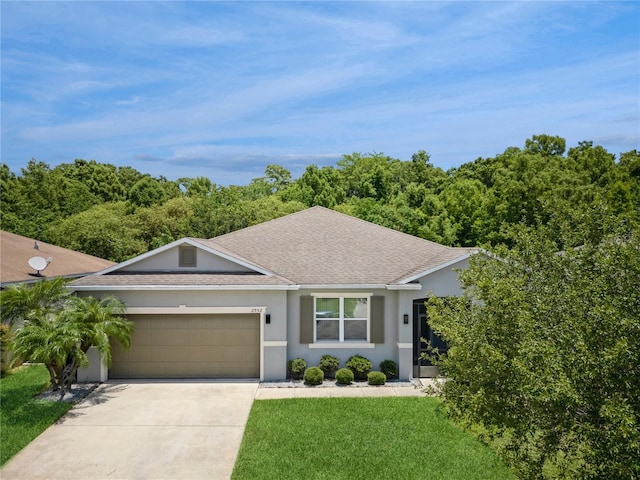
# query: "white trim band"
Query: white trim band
193,310
341,345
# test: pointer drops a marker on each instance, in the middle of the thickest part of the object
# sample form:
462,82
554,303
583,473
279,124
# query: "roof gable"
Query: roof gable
166,259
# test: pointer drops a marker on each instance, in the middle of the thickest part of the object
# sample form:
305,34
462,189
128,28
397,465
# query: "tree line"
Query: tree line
118,212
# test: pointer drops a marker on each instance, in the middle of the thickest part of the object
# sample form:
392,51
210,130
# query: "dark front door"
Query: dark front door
422,367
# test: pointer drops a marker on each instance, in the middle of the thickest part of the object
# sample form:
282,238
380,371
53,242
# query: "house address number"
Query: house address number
257,310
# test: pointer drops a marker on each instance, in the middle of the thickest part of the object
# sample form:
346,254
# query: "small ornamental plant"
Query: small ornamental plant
297,366
313,376
5,339
376,378
329,365
360,366
389,368
344,376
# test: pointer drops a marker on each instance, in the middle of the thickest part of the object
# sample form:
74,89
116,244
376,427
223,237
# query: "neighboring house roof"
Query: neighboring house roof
16,251
316,246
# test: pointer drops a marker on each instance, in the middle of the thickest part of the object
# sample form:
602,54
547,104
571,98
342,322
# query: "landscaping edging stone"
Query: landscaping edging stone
77,393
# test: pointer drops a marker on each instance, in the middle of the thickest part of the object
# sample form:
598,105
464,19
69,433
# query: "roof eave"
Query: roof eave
405,286
429,271
360,286
151,288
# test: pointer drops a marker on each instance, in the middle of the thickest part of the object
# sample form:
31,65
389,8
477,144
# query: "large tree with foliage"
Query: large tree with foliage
57,329
545,349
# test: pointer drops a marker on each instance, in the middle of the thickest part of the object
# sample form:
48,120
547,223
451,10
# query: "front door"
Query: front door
422,367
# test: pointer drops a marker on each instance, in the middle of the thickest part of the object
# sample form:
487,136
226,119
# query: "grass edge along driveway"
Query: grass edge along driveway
22,416
360,438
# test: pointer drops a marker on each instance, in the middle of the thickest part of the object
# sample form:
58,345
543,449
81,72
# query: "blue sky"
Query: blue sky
222,89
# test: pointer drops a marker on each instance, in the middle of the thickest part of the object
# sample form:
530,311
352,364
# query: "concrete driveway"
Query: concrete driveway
143,430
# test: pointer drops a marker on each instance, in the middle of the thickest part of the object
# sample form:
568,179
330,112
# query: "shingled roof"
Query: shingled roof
16,251
316,246
319,246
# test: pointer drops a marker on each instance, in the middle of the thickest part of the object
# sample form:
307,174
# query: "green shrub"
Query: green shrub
313,376
376,378
344,376
329,365
389,368
360,366
297,366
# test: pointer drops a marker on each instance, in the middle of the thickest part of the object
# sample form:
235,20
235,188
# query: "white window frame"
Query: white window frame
341,297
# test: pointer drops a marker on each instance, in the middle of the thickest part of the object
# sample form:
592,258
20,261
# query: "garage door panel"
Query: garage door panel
190,346
208,337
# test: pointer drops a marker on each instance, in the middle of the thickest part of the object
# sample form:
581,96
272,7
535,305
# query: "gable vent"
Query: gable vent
187,256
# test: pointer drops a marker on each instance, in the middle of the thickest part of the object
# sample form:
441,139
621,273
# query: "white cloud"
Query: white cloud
235,85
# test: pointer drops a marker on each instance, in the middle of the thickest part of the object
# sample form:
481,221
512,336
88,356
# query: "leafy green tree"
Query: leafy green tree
372,176
146,192
278,177
463,201
596,162
317,186
197,187
128,177
34,202
544,348
546,145
161,224
105,231
57,328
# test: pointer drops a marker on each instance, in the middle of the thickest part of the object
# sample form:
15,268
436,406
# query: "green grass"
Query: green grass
22,416
360,438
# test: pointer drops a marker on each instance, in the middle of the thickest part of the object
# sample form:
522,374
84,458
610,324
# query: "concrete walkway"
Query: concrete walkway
267,393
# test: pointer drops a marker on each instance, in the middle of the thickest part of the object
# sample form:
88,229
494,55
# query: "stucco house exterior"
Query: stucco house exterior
241,305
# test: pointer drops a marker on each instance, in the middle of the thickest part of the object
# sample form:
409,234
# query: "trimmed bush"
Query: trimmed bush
329,365
389,368
297,366
313,376
344,376
360,366
376,378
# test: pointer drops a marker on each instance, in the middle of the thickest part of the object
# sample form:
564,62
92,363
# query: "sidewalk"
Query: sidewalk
268,392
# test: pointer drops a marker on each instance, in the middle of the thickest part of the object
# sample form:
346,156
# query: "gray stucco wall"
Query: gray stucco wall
380,352
281,337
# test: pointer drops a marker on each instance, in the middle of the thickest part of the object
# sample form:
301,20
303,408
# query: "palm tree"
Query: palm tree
57,329
97,321
22,302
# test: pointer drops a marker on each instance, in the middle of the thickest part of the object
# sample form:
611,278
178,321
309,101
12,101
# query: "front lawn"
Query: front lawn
22,416
360,438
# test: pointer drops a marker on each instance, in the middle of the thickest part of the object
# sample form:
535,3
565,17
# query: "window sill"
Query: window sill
342,345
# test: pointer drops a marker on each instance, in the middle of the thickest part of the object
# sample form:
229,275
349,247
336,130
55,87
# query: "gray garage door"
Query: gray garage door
190,346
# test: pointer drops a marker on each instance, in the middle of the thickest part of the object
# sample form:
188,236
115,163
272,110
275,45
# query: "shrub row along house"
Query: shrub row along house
241,305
